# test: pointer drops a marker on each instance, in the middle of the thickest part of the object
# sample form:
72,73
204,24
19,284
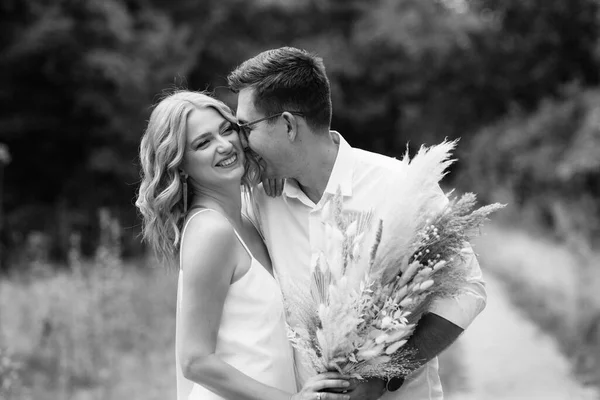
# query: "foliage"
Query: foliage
547,162
421,71
79,78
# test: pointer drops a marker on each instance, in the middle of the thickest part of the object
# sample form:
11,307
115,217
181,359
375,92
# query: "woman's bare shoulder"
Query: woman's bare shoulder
208,239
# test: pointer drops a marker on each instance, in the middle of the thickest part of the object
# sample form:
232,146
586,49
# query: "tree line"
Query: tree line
515,79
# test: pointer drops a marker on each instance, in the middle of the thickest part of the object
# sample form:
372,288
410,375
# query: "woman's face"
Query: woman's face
213,154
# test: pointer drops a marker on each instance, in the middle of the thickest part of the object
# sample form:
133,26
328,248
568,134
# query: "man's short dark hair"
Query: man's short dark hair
286,79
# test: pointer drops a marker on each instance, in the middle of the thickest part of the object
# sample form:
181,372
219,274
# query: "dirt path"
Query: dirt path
505,356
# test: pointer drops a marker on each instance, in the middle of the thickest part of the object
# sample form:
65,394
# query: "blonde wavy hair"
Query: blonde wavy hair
160,198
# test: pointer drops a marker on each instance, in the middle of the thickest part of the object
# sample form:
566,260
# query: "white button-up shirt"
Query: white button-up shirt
294,236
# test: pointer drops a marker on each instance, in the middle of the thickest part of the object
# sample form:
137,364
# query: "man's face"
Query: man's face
266,138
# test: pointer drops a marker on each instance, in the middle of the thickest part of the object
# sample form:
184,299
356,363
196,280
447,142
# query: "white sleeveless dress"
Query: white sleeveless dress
252,336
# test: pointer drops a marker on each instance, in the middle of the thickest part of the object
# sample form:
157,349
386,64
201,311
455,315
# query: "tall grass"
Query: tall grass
98,330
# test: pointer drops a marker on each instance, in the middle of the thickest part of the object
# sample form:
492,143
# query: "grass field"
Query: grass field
105,330
102,332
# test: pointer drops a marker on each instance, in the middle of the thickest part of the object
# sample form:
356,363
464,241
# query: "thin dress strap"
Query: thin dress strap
234,230
183,233
242,242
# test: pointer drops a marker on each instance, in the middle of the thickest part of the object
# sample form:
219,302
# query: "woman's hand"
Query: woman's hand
314,388
273,187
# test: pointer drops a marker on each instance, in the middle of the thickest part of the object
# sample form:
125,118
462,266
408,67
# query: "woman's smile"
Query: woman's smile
228,162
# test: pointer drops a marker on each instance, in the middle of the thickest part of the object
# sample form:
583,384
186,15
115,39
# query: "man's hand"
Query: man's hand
367,390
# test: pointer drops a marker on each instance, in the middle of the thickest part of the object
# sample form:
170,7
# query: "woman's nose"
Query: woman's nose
225,145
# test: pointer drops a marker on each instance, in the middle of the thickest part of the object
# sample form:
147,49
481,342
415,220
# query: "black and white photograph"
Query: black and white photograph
299,200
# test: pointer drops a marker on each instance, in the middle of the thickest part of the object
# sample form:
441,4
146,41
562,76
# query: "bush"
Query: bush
546,165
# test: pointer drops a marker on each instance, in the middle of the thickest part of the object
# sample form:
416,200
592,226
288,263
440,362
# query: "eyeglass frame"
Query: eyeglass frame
242,127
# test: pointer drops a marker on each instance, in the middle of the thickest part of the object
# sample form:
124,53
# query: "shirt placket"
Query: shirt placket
315,236
314,231
318,241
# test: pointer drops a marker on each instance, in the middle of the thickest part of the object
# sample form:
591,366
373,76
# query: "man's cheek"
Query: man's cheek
256,146
251,142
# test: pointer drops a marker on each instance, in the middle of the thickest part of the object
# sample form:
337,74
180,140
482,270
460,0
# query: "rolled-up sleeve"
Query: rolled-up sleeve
463,308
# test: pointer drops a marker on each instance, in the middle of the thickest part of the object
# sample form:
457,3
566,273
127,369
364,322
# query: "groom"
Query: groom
284,108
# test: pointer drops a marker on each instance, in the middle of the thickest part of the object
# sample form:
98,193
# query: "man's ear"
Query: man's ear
291,125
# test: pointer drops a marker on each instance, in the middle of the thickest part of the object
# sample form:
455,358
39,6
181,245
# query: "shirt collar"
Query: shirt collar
343,168
341,174
291,188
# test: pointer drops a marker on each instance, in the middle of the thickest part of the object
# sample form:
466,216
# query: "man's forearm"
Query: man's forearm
432,335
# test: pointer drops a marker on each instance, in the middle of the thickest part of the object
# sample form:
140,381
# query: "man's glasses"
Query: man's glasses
244,128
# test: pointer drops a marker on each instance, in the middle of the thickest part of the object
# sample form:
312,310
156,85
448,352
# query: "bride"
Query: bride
231,341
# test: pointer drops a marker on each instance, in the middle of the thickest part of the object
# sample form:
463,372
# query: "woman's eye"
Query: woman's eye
201,144
228,131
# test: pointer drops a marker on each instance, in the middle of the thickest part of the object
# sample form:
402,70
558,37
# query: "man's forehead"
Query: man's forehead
245,105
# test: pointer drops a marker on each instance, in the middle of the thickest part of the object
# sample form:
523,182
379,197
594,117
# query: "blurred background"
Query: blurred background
86,312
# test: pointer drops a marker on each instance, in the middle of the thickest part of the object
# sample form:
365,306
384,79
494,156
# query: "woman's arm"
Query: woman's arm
209,260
